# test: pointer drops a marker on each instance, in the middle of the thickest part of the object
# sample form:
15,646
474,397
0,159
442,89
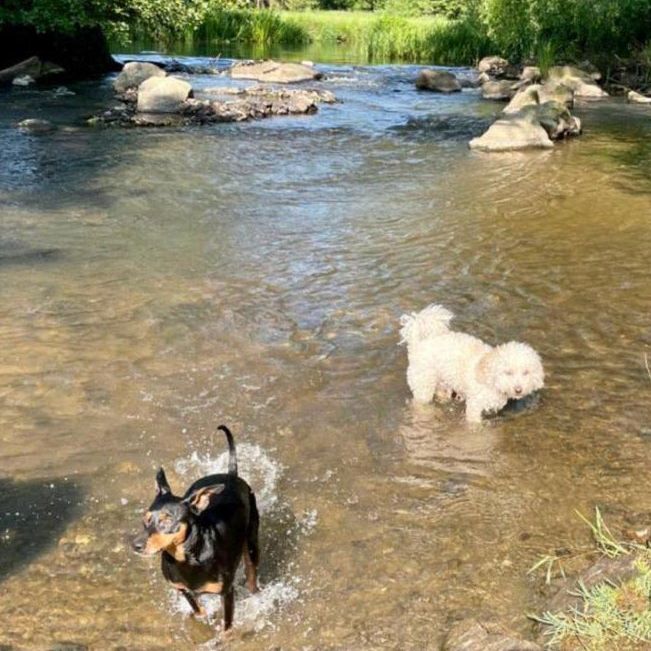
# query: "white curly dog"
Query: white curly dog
444,364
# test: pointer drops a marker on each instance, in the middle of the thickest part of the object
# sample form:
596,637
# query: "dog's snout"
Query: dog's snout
138,543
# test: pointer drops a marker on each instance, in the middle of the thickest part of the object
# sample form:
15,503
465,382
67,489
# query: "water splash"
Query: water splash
254,612
254,464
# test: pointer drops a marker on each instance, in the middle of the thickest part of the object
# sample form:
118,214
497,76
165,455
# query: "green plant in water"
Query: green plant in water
546,56
613,616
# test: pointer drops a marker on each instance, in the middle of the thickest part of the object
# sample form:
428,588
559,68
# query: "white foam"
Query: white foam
254,464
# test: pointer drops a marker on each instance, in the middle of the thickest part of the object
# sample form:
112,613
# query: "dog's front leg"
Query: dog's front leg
194,604
474,410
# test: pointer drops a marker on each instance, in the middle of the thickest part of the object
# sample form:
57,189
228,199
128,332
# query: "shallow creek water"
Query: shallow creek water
155,283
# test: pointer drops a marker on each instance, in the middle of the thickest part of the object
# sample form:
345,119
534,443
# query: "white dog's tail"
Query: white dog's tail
432,321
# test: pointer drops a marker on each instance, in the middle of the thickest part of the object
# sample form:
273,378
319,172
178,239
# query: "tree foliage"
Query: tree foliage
517,28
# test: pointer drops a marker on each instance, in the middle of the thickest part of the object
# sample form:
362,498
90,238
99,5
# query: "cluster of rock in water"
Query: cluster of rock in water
538,112
150,97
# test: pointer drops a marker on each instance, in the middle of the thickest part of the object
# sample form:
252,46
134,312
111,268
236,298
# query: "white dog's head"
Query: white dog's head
512,369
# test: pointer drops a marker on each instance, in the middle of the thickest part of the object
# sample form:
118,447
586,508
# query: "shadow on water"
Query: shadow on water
33,515
14,252
440,128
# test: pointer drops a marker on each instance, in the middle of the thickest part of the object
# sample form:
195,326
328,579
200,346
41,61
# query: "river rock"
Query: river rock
514,131
557,120
134,73
25,80
319,96
531,74
494,66
528,96
579,81
471,635
32,67
540,94
615,570
175,66
274,72
440,81
553,92
638,98
498,90
162,95
230,105
36,125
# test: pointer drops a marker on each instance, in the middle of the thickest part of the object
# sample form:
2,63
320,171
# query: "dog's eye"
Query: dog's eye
508,372
525,372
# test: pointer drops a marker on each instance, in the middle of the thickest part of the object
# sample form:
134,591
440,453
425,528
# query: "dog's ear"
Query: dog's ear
162,486
486,367
200,499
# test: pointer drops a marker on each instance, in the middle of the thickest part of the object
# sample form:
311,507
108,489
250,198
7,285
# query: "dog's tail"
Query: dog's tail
434,320
232,455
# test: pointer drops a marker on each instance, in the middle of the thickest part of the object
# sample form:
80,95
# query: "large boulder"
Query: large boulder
494,66
471,635
502,90
580,82
162,95
534,126
134,73
513,132
274,72
638,98
437,80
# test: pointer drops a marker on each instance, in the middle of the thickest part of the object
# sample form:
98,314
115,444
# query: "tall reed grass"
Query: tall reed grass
372,37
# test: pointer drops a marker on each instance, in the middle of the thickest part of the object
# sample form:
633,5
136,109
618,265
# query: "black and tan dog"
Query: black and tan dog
203,535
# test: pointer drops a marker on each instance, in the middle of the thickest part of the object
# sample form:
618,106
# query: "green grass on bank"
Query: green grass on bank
614,615
389,37
366,36
547,31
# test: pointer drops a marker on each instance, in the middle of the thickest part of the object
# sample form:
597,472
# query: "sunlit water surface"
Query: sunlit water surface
155,283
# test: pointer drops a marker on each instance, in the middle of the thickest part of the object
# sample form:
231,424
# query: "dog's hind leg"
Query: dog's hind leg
228,600
251,548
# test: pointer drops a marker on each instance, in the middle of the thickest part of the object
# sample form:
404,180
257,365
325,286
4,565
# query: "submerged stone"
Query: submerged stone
471,635
36,125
